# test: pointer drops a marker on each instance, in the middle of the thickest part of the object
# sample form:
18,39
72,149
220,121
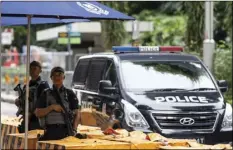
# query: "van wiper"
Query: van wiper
165,90
200,89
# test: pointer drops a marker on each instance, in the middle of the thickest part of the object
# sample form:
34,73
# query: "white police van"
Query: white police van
156,89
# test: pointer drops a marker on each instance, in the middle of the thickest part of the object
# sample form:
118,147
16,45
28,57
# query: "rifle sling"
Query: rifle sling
66,114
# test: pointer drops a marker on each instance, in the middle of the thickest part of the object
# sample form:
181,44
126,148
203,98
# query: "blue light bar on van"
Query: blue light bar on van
147,49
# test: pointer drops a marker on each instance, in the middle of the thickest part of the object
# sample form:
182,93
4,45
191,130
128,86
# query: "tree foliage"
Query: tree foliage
135,8
195,25
223,69
113,31
228,19
168,30
194,11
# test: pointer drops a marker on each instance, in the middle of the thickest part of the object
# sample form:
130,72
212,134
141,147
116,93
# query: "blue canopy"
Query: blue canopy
58,10
62,10
9,21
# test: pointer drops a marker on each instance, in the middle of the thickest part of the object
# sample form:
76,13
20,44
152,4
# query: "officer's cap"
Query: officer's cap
36,64
57,69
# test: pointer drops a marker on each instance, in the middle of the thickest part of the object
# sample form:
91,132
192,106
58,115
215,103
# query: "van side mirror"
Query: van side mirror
105,87
223,85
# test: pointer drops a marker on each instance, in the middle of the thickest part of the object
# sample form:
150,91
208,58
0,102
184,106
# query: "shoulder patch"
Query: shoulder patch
43,82
47,90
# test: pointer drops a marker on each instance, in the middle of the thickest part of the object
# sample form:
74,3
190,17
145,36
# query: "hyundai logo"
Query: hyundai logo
187,121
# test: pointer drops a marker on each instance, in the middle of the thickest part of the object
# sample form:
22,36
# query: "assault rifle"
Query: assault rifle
68,114
21,107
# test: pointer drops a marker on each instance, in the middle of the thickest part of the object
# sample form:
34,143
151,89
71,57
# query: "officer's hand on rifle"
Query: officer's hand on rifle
75,132
17,103
79,135
57,108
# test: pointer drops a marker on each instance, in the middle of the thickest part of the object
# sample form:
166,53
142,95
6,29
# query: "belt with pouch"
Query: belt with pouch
56,125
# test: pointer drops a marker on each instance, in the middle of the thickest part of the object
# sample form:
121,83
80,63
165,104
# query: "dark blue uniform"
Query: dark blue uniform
55,125
36,87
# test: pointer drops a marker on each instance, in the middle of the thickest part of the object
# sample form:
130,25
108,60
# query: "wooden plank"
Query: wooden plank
16,141
83,144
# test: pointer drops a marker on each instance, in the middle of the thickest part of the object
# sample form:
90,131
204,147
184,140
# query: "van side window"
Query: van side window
110,73
95,73
81,71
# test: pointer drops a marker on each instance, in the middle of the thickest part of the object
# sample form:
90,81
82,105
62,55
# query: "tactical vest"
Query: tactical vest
33,95
54,117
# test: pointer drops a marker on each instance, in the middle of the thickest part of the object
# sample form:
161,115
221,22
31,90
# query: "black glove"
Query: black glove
78,135
81,136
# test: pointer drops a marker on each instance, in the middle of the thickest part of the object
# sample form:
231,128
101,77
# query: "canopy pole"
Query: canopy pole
27,83
209,43
0,71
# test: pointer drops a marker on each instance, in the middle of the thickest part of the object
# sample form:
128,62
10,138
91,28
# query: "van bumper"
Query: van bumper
219,137
207,138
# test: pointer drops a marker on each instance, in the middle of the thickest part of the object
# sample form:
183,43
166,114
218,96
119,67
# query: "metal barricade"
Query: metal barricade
48,59
11,77
14,68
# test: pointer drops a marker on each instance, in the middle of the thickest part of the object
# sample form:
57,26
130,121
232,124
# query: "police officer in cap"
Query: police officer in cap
36,87
51,113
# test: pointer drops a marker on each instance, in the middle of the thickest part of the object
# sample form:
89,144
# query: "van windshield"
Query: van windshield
165,76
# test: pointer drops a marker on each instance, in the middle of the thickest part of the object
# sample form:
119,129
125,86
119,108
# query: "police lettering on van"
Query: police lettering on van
184,99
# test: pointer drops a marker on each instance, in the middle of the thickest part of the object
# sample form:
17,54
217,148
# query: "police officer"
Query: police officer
49,109
36,87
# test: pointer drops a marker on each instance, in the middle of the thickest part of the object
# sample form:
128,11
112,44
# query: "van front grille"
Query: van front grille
173,121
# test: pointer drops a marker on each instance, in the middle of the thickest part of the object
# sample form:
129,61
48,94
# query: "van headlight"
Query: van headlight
133,116
227,120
